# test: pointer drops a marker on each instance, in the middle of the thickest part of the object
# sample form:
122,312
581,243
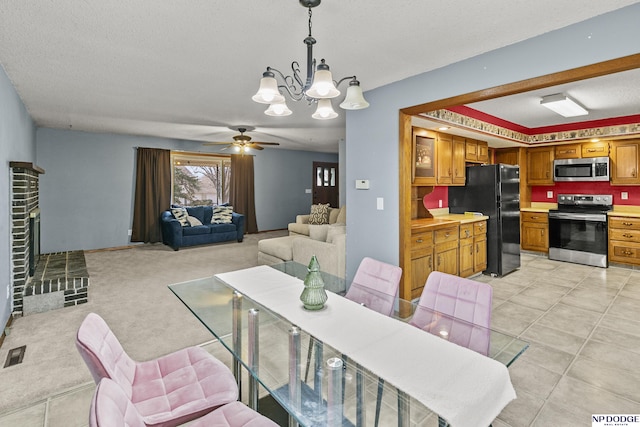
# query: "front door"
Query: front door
325,183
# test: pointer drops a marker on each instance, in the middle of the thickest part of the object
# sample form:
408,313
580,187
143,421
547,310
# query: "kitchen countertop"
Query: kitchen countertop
625,210
540,207
442,221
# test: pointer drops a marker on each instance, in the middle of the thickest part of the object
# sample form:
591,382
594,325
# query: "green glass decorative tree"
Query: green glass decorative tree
314,296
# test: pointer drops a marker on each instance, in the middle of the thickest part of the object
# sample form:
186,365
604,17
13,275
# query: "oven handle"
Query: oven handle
585,217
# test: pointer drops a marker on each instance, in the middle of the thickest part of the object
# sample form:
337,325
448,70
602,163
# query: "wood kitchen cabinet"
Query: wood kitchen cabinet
595,149
473,248
540,166
445,253
450,151
509,156
476,151
421,260
568,151
624,240
624,162
534,232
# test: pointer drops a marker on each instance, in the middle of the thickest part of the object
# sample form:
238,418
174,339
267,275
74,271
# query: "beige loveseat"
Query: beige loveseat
326,241
301,226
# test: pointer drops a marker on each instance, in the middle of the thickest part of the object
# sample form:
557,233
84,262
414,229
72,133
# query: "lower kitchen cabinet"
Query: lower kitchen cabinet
445,252
473,248
421,261
534,232
624,240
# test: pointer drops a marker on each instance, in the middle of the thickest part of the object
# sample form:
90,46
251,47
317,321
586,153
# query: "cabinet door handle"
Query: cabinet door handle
628,224
466,233
633,172
627,235
477,248
542,232
449,171
471,250
419,241
447,234
591,150
430,263
439,259
626,252
534,217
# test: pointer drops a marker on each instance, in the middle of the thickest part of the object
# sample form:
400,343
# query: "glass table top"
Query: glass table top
228,316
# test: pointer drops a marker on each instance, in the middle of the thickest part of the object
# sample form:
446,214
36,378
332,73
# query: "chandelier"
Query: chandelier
319,86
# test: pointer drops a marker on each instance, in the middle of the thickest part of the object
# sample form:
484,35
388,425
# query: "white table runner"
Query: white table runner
464,387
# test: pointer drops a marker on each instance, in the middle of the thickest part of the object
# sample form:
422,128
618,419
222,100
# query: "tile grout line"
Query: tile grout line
575,357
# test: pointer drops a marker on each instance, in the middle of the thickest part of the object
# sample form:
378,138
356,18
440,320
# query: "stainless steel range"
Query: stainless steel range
578,229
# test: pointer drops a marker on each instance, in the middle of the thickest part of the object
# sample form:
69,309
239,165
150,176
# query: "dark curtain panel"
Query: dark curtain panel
242,193
153,194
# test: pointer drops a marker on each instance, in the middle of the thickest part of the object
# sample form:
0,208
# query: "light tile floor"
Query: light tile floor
583,326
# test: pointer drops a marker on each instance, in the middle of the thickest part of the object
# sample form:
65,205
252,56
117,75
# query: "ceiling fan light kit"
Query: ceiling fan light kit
319,86
563,105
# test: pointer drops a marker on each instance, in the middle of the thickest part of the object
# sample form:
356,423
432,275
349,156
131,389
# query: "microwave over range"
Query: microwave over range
588,169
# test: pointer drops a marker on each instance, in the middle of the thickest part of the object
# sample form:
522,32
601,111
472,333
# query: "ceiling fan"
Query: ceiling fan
242,143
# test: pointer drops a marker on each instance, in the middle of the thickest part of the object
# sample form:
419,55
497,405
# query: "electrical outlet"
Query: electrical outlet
8,291
549,194
624,195
439,203
130,233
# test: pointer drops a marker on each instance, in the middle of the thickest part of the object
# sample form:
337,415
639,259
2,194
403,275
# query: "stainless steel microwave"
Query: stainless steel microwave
589,169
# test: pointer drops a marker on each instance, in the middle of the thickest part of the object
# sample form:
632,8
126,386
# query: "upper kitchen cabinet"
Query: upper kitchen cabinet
625,156
567,151
476,151
423,157
595,149
450,152
509,156
540,166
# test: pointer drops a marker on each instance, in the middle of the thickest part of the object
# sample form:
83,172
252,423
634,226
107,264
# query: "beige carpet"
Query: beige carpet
129,290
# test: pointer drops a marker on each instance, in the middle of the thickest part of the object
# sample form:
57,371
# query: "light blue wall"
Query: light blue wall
87,191
17,143
372,134
281,178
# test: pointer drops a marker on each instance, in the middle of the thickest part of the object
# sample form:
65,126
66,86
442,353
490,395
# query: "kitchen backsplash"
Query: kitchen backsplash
539,193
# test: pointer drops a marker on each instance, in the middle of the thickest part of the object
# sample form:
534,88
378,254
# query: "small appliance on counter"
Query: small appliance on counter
494,190
578,229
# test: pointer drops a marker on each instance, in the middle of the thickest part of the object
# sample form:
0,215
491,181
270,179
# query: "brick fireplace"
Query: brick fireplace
25,200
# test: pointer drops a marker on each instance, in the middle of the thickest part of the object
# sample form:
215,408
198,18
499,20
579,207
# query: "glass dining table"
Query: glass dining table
271,350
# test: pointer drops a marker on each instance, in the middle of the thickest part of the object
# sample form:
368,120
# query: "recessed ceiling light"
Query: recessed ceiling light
563,105
443,128
595,140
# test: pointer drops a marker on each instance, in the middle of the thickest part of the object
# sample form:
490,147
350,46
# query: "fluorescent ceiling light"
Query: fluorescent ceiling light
563,105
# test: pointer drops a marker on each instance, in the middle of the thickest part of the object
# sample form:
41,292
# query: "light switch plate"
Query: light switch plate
380,203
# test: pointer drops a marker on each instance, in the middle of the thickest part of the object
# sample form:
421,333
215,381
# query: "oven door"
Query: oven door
578,237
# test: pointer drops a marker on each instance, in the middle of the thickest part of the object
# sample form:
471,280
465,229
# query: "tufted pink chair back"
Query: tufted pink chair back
111,407
375,285
460,298
103,354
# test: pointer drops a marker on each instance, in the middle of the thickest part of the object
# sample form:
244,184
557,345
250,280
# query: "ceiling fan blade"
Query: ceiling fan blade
217,143
256,147
266,143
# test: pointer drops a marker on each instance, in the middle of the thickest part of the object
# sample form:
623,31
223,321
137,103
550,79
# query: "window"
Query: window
200,179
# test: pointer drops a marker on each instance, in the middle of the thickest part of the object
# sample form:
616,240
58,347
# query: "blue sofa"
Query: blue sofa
176,236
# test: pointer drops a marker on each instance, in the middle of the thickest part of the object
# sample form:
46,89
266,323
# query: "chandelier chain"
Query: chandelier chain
310,13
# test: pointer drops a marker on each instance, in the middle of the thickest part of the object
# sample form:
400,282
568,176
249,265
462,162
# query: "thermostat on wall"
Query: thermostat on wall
362,184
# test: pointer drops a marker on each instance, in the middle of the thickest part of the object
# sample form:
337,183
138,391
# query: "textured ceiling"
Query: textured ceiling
188,69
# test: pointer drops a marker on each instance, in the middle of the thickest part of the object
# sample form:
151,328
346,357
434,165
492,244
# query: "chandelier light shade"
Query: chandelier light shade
323,86
278,109
354,99
325,110
318,86
563,105
268,91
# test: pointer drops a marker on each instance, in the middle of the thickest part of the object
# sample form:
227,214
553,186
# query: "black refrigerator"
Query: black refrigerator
494,190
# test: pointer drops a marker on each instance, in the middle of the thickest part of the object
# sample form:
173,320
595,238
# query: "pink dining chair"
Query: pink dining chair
375,285
457,298
167,391
110,407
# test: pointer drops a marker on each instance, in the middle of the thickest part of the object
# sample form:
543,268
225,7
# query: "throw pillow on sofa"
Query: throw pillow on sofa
222,215
181,215
319,214
193,221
